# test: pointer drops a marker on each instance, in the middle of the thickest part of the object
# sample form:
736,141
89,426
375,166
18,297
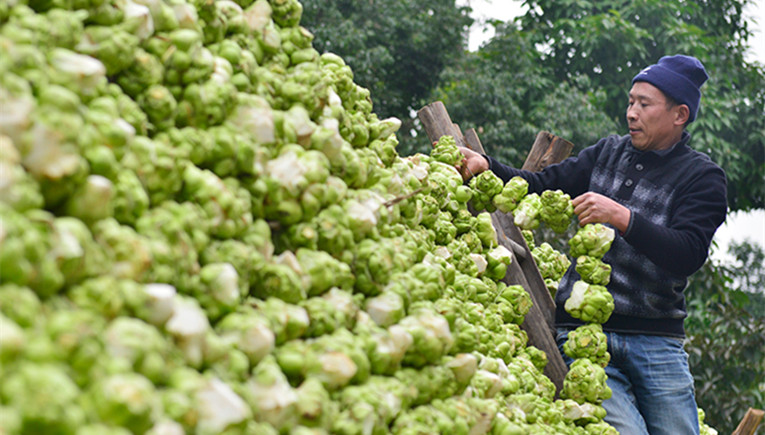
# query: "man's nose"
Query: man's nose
631,115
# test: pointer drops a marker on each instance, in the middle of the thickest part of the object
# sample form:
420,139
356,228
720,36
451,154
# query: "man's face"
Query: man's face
652,125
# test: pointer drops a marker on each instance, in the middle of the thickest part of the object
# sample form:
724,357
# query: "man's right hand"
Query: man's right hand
473,163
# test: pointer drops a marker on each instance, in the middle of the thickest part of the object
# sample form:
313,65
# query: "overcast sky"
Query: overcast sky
738,226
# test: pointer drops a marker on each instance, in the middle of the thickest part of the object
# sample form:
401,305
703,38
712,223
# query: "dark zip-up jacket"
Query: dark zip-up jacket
677,199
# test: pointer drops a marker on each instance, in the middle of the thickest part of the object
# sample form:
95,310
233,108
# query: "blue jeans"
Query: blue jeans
651,383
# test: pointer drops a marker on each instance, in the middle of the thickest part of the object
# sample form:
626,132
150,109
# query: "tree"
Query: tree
565,68
506,93
726,335
396,48
581,38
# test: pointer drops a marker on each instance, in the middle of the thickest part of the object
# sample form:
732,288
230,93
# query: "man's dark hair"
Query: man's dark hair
671,102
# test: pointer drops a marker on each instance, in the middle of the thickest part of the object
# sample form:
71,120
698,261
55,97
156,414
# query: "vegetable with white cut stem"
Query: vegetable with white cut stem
333,310
315,407
385,348
287,321
590,303
109,296
245,257
431,335
80,73
519,303
112,46
580,414
12,340
159,304
220,289
592,240
512,193
140,346
127,400
593,270
75,251
270,395
446,151
159,166
588,341
25,259
324,271
188,326
93,200
586,382
386,308
498,260
526,216
486,186
249,331
385,396
43,395
552,264
17,187
220,408
557,210
328,359
485,230
20,304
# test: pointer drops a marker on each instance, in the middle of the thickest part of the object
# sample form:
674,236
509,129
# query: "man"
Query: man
666,201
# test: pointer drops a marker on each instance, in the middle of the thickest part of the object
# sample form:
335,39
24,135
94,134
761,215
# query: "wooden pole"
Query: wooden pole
750,422
437,123
547,149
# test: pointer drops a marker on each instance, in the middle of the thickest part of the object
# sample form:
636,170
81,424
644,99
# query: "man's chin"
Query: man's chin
639,144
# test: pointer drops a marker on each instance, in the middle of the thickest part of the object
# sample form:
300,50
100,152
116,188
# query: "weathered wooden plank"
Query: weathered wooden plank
540,294
541,334
472,140
547,149
435,119
750,422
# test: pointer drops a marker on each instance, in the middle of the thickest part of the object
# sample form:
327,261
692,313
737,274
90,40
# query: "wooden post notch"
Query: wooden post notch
539,322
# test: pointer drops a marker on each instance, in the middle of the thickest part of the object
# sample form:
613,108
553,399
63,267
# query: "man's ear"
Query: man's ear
682,113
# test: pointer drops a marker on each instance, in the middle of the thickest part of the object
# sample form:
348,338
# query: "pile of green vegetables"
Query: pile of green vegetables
205,229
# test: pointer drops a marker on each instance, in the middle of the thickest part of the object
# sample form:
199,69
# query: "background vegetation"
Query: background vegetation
565,67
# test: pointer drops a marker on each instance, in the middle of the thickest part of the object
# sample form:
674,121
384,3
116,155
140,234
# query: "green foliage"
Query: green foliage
580,37
507,94
726,330
396,48
554,70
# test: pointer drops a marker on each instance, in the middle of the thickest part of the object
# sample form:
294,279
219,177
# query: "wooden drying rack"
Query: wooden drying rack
539,323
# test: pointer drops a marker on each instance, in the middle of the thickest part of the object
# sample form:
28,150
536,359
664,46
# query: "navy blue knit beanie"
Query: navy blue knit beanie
678,76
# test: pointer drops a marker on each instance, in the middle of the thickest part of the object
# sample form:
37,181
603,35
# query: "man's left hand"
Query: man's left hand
592,208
